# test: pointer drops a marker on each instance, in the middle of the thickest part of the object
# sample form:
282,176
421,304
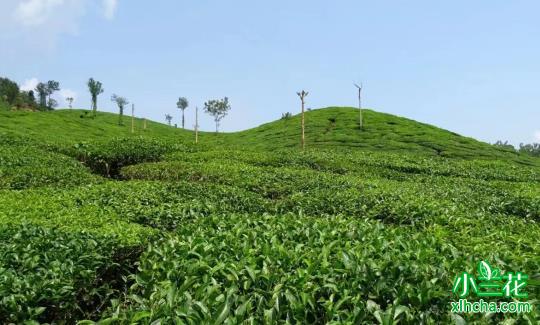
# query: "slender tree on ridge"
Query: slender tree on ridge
95,88
302,94
182,104
52,86
217,108
196,124
168,118
121,102
132,118
361,122
70,100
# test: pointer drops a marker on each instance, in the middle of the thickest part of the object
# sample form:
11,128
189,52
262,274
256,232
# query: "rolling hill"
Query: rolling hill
330,128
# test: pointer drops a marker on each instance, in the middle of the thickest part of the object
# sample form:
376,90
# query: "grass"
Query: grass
366,226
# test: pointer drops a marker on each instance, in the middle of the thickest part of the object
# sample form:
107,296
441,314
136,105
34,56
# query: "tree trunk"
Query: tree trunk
197,125
360,106
303,136
182,119
94,105
120,122
132,118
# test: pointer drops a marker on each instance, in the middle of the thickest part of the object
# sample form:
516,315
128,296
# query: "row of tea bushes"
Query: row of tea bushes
23,167
295,269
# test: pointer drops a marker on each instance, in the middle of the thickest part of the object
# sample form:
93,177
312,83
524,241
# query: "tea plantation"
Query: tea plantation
364,227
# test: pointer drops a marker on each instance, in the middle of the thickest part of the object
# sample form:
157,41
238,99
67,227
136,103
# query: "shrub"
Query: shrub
108,157
51,276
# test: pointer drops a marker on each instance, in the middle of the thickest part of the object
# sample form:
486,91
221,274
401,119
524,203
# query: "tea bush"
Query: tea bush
295,269
230,236
107,157
27,167
49,275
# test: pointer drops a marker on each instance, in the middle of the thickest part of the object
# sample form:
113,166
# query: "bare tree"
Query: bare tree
302,94
132,118
360,104
196,124
168,118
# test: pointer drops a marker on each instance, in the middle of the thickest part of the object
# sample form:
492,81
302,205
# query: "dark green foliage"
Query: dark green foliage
45,91
504,145
273,269
42,91
52,87
9,91
26,99
532,149
398,189
24,166
286,116
106,158
4,106
48,275
11,96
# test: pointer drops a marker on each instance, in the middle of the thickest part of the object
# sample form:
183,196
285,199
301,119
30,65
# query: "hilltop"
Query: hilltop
338,127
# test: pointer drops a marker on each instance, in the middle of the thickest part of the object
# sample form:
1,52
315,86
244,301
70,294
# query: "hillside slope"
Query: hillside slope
329,128
71,126
338,127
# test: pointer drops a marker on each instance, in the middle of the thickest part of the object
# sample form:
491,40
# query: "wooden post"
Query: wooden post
360,104
132,118
197,124
302,95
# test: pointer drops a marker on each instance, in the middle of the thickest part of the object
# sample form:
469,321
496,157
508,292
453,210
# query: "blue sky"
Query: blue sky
469,66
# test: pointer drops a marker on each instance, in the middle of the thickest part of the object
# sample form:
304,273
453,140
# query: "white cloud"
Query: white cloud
36,12
109,7
65,93
27,25
29,84
537,135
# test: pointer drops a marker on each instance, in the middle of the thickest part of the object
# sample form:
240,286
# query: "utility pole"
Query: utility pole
360,103
132,118
302,94
196,124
